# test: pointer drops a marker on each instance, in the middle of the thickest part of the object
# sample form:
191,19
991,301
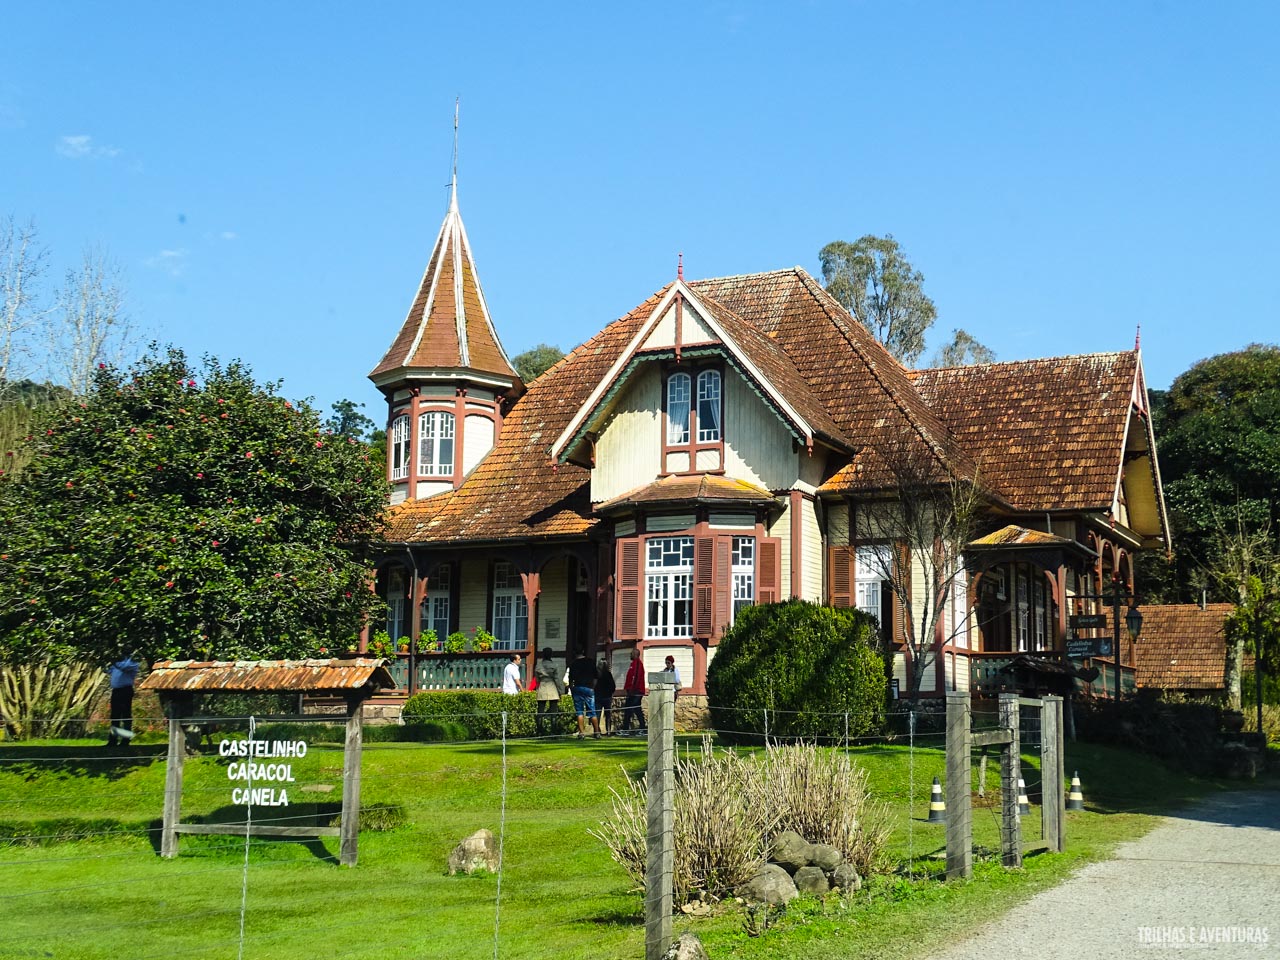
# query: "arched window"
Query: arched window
678,388
435,444
708,406
399,451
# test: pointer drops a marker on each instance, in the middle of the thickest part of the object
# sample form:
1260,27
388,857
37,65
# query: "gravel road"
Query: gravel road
1204,883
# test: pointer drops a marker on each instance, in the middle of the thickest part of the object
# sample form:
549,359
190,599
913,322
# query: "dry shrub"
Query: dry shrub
727,807
1270,721
823,796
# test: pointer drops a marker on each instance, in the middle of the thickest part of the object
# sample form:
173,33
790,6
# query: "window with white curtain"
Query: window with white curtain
872,570
435,609
678,389
435,444
744,574
708,406
399,448
396,596
510,609
669,587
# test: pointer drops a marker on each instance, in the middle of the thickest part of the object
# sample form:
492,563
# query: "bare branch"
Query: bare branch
91,326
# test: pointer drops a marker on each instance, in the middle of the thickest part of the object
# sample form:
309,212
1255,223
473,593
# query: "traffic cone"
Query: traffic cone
1075,799
937,806
1024,805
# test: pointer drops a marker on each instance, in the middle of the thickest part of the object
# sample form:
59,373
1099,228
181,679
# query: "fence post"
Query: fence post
659,874
1052,799
349,825
1010,767
959,820
173,777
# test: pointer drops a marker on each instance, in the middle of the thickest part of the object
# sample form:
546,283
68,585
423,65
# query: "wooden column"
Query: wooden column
660,863
350,823
1052,793
532,583
959,815
173,777
1010,765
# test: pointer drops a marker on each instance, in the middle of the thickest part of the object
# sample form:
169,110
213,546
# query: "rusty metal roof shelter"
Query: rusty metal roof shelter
177,682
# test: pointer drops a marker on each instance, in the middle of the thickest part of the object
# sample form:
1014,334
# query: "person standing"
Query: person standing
670,667
511,676
634,688
550,690
605,686
582,684
123,674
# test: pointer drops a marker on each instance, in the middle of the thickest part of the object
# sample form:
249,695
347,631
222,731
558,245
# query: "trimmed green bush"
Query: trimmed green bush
480,712
336,733
809,665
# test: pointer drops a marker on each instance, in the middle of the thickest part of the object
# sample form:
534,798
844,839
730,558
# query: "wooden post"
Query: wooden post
1052,796
350,823
959,818
1010,764
173,778
660,864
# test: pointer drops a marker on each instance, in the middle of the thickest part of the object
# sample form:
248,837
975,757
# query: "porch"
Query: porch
1005,672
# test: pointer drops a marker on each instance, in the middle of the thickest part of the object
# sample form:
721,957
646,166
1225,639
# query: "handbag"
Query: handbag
533,684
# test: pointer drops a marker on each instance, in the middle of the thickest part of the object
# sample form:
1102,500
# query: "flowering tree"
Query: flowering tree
176,512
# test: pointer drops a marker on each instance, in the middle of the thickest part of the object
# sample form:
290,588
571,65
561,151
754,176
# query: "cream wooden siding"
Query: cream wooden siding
473,598
757,447
629,448
429,488
399,494
781,529
477,439
928,685
837,523
692,329
957,671
811,534
553,604
655,662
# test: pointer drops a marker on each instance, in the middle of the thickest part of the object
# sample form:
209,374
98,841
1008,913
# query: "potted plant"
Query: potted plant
456,642
483,640
380,644
403,646
428,641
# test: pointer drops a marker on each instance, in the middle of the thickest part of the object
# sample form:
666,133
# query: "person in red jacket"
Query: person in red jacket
633,686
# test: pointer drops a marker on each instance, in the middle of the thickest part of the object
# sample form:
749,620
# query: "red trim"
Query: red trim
797,543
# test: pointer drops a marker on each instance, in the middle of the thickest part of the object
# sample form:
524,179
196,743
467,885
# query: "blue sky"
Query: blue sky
271,176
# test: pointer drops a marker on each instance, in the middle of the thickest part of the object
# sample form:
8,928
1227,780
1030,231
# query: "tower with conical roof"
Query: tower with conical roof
446,377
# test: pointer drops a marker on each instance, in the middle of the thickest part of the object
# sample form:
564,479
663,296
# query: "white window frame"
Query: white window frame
743,575
870,573
398,449
959,634
679,407
709,392
436,607
435,429
1038,611
668,588
1022,613
509,614
397,594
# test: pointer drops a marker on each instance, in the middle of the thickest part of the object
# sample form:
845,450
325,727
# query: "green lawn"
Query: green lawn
111,896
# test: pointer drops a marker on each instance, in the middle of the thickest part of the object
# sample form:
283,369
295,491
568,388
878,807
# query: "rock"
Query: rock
845,877
1236,762
771,884
811,880
696,908
478,852
790,851
686,947
824,856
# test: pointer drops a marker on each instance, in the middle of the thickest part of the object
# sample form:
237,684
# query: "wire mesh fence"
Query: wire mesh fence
80,824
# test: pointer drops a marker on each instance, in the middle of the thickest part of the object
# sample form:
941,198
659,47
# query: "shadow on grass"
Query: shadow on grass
87,760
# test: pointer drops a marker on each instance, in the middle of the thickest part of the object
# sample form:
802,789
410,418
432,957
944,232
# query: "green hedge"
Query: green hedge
480,712
809,665
314,733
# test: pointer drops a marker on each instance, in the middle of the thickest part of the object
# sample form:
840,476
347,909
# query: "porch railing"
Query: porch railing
985,676
465,671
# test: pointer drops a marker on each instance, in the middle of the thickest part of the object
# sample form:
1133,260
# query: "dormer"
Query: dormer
446,378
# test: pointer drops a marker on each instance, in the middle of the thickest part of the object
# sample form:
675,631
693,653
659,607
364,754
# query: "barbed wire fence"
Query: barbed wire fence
79,823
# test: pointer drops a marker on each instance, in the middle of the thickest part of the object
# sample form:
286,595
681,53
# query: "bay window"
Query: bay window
399,451
435,444
744,574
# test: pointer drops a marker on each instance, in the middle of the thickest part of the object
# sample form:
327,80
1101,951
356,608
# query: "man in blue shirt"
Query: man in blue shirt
123,673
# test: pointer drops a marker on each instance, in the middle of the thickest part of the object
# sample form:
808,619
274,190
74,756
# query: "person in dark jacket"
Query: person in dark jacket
605,685
582,684
123,674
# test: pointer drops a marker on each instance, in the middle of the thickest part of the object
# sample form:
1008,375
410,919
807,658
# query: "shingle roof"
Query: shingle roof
1182,647
256,676
703,488
448,326
1054,429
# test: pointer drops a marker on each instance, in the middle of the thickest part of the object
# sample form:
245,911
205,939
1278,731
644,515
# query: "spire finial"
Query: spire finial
680,266
1137,339
453,184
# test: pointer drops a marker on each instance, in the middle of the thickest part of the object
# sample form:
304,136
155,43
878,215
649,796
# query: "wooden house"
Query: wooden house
717,446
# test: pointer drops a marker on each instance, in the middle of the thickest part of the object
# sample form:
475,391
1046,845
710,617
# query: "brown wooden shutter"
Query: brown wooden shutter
704,576
842,576
722,588
902,586
627,587
769,570
604,594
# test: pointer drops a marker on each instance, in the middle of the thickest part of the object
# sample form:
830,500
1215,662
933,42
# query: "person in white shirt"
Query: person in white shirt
670,667
511,676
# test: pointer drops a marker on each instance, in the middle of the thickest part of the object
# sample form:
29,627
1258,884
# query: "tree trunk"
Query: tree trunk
1231,673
